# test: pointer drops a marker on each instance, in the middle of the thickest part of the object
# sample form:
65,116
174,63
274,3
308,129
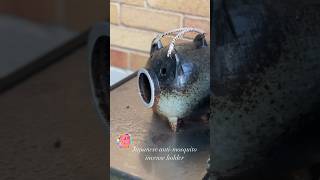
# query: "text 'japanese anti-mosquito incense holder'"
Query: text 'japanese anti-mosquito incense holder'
176,78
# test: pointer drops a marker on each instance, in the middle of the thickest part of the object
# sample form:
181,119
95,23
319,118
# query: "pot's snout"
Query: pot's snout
147,84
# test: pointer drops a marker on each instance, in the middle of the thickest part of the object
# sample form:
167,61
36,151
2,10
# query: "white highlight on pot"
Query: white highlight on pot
152,88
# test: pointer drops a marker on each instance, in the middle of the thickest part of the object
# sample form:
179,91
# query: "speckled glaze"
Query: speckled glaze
265,81
179,85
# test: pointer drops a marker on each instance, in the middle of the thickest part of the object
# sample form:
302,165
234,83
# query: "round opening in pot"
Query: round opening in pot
146,87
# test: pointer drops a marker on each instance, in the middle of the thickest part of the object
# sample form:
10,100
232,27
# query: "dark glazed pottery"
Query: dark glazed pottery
265,78
174,85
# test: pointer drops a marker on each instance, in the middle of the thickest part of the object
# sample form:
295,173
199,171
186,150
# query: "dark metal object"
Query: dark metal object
100,69
265,82
174,86
39,64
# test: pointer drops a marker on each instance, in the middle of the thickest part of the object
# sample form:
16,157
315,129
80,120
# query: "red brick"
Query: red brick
138,61
119,58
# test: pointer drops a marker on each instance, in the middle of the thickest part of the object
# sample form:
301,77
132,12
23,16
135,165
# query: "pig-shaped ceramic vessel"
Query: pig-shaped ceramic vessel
177,79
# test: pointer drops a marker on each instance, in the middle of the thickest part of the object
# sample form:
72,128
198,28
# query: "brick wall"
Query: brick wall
134,23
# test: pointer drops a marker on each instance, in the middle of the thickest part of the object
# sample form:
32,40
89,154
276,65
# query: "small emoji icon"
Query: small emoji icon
124,140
